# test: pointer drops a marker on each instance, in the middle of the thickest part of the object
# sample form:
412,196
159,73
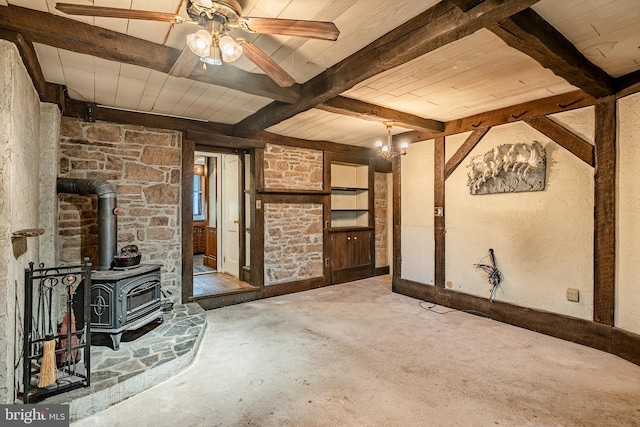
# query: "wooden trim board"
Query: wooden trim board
591,334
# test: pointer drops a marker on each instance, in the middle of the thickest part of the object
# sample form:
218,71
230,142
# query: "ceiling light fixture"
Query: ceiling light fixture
214,45
386,149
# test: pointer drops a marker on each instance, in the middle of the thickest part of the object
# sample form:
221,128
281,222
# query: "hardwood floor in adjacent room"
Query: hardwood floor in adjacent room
217,283
207,281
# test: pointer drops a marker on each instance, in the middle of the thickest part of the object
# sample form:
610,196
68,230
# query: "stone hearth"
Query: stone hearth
147,356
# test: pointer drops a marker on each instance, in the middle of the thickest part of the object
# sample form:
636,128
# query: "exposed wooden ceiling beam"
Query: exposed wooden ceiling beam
529,33
77,109
441,24
414,136
363,110
56,94
466,5
628,84
526,110
223,141
75,36
185,64
29,59
334,147
213,134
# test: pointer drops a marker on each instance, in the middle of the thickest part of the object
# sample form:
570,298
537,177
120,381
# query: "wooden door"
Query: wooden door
230,217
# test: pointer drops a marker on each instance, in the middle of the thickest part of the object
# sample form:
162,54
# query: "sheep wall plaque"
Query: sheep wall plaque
508,168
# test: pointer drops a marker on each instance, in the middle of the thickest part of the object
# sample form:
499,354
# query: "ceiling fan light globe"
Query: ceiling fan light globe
213,58
200,42
229,48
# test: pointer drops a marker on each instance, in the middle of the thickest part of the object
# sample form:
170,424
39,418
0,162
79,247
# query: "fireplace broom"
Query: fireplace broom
48,366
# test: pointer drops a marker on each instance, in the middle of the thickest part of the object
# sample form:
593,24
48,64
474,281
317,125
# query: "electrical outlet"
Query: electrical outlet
573,294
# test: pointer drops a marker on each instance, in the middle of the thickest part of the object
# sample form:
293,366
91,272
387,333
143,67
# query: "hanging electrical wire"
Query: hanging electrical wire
495,277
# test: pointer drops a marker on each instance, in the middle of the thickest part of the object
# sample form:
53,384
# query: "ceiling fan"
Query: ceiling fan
213,43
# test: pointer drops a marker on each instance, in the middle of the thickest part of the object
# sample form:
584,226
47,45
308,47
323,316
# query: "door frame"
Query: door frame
189,148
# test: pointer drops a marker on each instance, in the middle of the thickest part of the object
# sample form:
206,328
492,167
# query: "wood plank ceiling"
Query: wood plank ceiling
422,63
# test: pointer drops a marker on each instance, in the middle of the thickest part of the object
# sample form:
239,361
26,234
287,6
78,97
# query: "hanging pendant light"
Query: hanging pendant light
385,149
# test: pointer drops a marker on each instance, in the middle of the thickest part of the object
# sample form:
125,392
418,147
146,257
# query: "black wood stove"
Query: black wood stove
122,298
125,300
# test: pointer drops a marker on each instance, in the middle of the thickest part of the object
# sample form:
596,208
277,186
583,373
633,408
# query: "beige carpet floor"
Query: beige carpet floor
357,354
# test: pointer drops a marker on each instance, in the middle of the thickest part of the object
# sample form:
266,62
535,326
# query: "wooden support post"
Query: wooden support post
188,148
257,232
397,223
605,214
438,219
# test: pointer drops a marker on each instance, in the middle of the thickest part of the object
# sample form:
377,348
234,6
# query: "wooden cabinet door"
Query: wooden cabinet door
198,237
350,255
340,251
359,243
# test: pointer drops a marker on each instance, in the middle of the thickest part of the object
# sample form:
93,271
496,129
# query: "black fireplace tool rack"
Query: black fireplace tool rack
72,339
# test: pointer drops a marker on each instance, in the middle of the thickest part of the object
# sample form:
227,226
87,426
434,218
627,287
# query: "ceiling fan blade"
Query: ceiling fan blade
266,64
291,27
112,12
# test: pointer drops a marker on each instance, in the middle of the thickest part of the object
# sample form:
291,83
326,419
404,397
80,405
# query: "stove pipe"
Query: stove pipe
107,219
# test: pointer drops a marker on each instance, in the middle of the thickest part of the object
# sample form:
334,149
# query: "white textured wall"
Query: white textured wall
416,195
21,133
24,138
50,119
543,240
627,314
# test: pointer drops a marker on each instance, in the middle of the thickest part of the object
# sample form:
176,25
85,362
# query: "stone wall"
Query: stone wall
144,167
292,168
292,242
381,220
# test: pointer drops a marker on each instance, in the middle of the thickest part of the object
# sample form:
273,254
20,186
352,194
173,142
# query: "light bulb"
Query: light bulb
200,42
404,145
385,148
214,56
229,48
378,144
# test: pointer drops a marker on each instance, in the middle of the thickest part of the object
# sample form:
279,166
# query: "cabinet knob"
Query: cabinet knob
348,237
355,238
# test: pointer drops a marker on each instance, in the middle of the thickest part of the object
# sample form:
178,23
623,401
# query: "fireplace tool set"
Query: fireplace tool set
56,355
